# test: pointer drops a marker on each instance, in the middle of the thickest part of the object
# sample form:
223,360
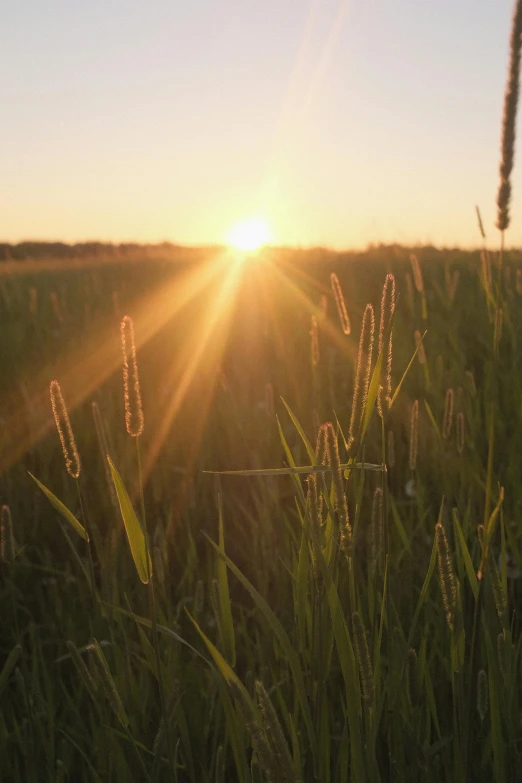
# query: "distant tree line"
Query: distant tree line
32,250
105,251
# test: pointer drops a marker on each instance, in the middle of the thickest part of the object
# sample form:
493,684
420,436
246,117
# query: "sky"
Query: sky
340,122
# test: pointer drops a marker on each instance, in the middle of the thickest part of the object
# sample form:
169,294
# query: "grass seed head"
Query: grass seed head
509,119
131,382
63,425
448,580
339,301
387,310
362,373
275,735
447,420
331,451
258,738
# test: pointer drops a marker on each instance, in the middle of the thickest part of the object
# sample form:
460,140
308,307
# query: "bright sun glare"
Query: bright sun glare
250,234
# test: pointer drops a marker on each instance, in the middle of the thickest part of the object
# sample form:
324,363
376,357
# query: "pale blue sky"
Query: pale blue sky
342,122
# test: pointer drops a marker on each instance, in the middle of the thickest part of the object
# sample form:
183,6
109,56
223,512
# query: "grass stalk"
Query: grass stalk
153,616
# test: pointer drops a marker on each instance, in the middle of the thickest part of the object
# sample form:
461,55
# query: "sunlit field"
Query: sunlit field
291,635
260,508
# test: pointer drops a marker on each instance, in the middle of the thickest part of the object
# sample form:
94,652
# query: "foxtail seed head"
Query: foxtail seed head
275,736
331,451
131,382
362,373
414,434
448,580
447,421
63,425
509,119
339,301
387,309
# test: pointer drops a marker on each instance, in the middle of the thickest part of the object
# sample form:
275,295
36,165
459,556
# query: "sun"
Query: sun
250,234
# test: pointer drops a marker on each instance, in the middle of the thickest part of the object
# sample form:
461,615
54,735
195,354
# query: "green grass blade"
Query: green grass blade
148,624
282,637
406,371
432,419
135,534
109,686
225,609
62,509
424,591
302,585
470,571
373,391
226,671
12,660
297,469
307,444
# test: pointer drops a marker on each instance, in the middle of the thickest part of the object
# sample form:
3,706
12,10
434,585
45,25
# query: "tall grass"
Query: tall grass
281,621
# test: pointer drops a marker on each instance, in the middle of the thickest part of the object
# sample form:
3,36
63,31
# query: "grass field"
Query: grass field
285,634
